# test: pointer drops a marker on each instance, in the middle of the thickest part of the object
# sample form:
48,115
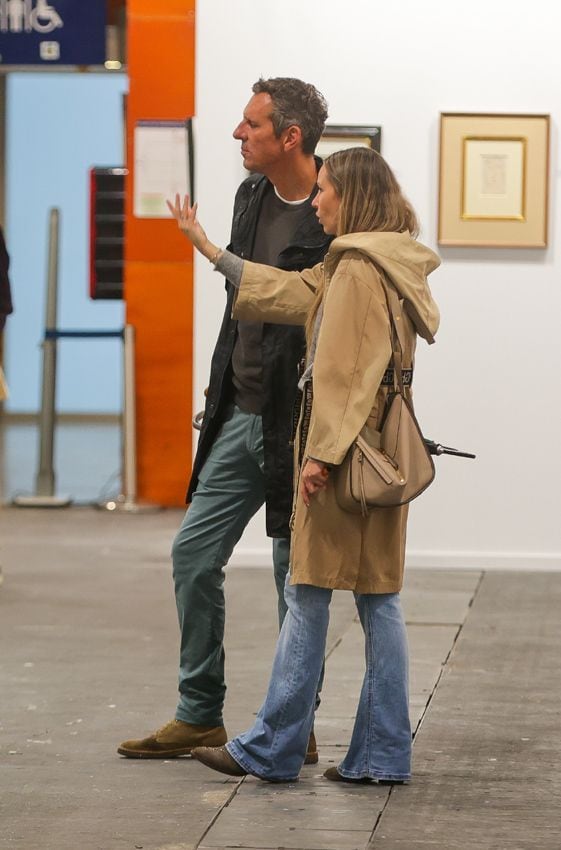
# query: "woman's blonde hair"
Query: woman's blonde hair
371,200
371,197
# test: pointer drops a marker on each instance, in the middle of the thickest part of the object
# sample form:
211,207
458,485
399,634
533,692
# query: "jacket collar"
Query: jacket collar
310,233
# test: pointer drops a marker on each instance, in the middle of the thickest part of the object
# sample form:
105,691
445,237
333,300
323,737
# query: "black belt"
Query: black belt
388,379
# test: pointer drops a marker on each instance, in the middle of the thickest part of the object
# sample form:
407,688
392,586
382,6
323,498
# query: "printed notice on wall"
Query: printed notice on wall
163,159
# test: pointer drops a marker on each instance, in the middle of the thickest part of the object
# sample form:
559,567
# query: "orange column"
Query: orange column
158,261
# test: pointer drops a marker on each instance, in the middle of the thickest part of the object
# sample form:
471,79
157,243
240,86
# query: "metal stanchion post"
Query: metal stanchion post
45,478
127,500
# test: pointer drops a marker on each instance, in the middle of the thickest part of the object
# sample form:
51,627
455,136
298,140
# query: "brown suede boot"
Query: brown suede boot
312,756
174,739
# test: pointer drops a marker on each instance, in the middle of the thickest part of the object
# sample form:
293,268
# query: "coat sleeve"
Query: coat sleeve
353,352
5,294
267,294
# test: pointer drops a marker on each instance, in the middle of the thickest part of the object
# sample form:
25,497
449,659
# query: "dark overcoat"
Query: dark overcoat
283,348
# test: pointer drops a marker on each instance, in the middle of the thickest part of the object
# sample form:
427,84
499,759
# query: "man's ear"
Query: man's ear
292,137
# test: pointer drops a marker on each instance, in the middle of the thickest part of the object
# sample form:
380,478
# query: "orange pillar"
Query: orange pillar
158,260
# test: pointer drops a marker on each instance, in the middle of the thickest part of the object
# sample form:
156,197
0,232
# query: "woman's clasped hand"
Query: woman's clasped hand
313,478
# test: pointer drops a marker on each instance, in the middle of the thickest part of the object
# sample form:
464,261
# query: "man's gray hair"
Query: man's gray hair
295,102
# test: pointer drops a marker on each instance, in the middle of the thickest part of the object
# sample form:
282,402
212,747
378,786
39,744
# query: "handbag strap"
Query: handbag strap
397,332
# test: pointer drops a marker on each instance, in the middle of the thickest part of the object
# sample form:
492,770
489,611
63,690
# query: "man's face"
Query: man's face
261,149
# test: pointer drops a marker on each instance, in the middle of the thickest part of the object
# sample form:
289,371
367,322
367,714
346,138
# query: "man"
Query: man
244,456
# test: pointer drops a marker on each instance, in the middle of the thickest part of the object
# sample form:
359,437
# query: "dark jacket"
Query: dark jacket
5,296
283,348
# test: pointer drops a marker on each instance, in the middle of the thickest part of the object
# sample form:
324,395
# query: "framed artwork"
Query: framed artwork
163,165
493,180
338,137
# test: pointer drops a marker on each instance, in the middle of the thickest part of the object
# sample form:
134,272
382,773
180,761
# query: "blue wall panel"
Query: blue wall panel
58,125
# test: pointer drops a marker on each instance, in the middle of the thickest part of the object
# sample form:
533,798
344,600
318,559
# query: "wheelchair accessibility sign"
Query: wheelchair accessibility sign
40,32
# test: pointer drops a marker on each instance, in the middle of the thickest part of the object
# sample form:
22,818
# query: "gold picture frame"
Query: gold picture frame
493,187
338,137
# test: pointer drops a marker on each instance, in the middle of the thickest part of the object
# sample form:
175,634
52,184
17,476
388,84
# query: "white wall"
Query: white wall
492,382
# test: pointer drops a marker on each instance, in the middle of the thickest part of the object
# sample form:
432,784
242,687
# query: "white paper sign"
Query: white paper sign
161,166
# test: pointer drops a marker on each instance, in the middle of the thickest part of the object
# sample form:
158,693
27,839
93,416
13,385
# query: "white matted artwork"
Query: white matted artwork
493,180
163,165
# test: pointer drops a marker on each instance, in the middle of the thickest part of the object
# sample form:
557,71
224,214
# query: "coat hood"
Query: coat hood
406,263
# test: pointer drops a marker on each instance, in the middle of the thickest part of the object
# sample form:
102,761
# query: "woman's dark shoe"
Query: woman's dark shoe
334,776
218,758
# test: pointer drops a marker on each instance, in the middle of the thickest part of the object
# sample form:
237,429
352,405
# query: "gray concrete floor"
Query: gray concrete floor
88,635
88,649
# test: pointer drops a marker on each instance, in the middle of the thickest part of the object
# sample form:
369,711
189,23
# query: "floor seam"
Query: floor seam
449,654
219,812
433,692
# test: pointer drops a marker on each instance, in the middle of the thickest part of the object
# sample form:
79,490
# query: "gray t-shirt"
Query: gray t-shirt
278,222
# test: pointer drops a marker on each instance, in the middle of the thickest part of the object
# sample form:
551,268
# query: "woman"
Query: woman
342,302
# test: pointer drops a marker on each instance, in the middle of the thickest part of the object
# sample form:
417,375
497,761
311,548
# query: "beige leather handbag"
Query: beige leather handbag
392,466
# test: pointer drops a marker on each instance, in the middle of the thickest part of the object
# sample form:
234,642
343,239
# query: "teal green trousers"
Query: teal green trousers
230,490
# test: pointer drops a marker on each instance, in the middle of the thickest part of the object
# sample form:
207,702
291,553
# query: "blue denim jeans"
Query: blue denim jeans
380,748
231,489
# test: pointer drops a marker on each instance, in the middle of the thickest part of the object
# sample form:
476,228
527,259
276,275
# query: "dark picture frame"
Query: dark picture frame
341,136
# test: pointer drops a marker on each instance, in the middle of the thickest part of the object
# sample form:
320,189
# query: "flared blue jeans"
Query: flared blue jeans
380,748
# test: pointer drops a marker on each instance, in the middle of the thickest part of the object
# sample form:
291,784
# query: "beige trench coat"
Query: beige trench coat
330,547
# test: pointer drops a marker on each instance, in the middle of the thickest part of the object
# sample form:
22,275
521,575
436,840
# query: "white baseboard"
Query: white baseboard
252,558
517,561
